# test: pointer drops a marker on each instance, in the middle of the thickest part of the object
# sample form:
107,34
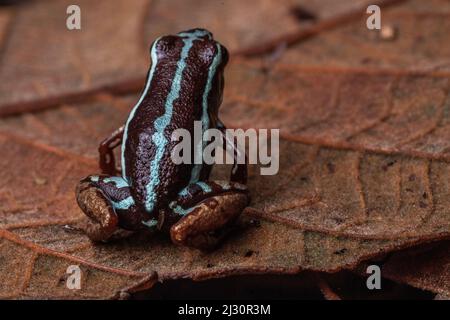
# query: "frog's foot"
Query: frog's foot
204,225
107,201
103,221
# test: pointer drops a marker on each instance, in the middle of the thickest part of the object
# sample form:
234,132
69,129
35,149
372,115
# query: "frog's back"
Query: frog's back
172,99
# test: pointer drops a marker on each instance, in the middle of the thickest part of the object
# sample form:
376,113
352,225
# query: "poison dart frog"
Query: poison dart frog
184,84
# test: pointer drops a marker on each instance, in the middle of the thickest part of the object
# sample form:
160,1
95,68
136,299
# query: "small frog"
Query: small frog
184,84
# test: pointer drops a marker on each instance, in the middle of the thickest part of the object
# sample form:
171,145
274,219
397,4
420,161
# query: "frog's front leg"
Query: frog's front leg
108,203
105,149
207,209
239,170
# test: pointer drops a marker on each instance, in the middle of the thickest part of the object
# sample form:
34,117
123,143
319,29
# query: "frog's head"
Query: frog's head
203,61
208,60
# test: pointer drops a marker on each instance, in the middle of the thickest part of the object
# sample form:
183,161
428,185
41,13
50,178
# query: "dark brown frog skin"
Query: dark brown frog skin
184,84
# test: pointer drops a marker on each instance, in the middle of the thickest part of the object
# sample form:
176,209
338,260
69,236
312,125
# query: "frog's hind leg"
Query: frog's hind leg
205,223
106,148
107,201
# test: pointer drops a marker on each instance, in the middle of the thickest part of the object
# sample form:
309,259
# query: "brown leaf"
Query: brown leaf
270,246
264,20
50,65
429,7
348,285
426,267
6,16
45,62
364,150
365,158
29,271
75,129
43,180
389,193
420,42
381,112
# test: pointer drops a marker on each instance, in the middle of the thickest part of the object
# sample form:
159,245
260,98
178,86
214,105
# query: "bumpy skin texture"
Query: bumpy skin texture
211,214
139,149
184,84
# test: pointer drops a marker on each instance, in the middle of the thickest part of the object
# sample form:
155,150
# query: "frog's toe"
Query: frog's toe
208,222
103,221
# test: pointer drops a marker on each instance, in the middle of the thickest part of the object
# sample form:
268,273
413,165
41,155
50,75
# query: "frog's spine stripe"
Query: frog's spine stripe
161,123
154,58
195,173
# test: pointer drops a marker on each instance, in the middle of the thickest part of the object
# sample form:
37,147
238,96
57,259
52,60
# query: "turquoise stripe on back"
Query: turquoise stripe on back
154,58
195,173
161,123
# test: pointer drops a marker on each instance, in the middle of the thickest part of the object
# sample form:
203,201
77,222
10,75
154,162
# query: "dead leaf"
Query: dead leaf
364,150
426,267
275,245
265,20
366,158
45,62
52,65
421,44
41,273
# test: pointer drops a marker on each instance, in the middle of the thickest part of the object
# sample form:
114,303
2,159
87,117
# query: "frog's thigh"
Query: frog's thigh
204,224
107,201
196,192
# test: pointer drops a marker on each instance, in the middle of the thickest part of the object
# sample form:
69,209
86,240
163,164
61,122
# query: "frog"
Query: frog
148,190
